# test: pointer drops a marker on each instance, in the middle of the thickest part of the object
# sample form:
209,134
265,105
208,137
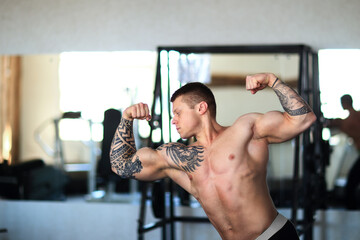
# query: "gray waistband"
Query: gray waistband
275,226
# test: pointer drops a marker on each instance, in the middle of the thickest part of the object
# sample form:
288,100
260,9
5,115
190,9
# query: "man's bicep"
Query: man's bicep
151,165
145,164
276,127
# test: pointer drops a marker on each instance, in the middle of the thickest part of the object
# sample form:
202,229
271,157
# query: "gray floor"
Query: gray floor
77,219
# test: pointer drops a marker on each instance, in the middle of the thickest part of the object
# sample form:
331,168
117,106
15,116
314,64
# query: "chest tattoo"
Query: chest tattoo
186,158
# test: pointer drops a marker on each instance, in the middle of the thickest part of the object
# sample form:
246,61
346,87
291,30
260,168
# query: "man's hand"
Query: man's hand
137,111
259,81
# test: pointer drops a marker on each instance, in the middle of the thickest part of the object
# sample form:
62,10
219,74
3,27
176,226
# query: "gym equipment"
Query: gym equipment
32,180
105,176
57,152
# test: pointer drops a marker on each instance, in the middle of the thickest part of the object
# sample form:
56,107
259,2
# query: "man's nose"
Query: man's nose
173,121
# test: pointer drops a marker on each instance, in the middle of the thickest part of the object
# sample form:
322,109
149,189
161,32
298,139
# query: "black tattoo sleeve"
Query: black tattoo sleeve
123,149
186,158
292,103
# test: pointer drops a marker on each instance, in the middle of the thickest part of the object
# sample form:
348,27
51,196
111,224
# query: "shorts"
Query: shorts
280,229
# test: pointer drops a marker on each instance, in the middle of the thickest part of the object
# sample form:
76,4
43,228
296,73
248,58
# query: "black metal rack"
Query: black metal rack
309,146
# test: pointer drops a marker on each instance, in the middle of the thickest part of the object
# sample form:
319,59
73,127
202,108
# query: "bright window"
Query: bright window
92,82
339,75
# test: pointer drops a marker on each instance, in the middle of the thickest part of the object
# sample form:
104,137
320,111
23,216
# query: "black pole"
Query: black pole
142,216
307,159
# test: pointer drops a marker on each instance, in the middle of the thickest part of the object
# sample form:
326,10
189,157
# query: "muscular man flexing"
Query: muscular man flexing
225,169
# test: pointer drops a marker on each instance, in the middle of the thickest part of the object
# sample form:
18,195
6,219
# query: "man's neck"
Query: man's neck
210,130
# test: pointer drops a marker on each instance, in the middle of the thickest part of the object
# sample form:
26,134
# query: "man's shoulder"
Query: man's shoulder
251,115
186,158
170,145
247,126
179,146
247,119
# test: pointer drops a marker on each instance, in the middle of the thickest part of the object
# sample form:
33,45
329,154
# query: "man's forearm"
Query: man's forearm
290,100
123,150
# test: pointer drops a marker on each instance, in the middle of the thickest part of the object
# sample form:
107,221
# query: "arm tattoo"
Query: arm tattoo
186,158
123,150
292,103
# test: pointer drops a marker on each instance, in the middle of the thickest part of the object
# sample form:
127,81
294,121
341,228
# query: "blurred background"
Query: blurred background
68,69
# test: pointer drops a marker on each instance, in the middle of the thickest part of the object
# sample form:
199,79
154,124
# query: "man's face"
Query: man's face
185,118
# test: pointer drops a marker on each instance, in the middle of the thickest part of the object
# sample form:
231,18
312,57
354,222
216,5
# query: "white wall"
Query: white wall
41,26
234,101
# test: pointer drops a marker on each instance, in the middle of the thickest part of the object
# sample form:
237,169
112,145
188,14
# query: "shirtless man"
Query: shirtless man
225,169
351,127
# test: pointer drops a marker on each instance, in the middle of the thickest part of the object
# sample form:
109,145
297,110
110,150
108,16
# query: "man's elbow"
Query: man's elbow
125,168
114,167
121,172
312,118
309,120
114,162
114,170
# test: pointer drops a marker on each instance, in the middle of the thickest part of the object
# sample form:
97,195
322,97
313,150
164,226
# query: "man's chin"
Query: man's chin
184,136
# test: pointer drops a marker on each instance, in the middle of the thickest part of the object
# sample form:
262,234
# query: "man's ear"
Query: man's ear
203,107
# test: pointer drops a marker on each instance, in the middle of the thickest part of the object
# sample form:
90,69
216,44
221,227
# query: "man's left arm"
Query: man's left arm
280,126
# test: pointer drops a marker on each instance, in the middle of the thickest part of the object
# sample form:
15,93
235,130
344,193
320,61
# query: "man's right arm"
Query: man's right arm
126,161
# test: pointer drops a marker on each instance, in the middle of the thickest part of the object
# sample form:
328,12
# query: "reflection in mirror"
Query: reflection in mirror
339,76
54,88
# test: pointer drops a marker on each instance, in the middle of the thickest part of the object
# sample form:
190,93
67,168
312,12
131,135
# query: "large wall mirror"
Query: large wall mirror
91,83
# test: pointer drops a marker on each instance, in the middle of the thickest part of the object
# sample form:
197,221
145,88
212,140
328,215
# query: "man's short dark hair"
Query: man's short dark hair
194,93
